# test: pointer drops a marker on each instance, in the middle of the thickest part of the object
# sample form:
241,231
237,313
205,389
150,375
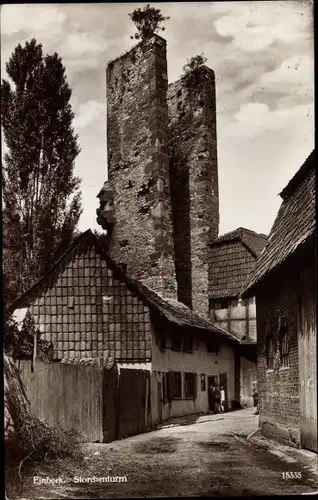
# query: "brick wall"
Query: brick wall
279,388
84,309
194,181
136,198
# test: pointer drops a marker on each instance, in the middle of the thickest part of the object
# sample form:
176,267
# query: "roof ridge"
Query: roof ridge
172,313
238,233
69,249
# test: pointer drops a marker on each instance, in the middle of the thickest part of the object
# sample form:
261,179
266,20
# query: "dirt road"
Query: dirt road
210,457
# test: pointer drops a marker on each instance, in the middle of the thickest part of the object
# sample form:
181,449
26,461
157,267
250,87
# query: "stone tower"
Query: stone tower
194,182
135,204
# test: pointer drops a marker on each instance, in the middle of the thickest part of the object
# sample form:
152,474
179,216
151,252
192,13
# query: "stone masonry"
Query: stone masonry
135,202
194,182
160,204
278,388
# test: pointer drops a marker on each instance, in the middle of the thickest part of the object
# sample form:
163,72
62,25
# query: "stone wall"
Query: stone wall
194,182
135,202
278,388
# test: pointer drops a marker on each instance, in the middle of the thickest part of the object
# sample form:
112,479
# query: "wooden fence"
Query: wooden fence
101,404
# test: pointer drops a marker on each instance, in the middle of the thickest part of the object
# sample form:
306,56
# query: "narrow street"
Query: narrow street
208,457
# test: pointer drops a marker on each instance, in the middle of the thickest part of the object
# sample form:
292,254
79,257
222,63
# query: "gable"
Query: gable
230,265
83,309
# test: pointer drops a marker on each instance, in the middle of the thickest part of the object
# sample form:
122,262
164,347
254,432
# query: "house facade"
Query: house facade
87,305
233,257
284,283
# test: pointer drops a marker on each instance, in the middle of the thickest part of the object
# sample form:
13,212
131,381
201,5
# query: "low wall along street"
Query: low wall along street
89,398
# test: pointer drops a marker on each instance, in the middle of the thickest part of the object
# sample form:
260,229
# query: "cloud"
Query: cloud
32,19
255,118
82,44
87,113
255,26
295,77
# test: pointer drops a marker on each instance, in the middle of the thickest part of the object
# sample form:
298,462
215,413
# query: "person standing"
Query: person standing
222,394
211,396
217,399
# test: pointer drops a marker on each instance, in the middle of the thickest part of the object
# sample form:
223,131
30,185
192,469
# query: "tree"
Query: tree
41,197
194,63
147,21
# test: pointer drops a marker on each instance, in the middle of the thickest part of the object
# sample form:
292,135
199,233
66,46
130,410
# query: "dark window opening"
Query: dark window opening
174,385
123,243
212,345
179,105
187,342
216,304
144,209
179,93
176,341
201,103
270,351
190,385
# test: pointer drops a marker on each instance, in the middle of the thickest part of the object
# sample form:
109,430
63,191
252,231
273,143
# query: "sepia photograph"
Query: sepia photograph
159,249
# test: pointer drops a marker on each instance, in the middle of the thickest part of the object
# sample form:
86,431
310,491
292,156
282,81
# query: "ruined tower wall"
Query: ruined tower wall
194,181
135,202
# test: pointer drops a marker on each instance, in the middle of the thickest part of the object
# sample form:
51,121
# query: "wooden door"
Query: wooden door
307,341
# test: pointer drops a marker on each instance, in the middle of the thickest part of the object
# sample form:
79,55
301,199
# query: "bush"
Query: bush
147,21
194,63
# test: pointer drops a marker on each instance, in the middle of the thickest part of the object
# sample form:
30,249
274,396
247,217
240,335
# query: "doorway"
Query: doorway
212,380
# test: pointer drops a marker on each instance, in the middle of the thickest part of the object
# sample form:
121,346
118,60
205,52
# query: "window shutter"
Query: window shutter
171,385
195,382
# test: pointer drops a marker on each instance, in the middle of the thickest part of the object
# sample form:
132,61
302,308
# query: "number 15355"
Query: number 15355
291,475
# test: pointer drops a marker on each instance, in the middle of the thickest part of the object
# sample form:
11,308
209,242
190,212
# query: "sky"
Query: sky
262,55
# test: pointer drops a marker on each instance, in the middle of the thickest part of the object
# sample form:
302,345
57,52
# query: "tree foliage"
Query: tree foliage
41,197
194,63
147,21
18,340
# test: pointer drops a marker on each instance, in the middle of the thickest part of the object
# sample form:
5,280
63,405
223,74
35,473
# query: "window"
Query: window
212,345
173,385
284,343
164,388
219,304
203,384
187,341
270,351
176,341
190,385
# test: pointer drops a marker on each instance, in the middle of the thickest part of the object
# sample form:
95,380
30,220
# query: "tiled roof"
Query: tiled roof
172,310
232,258
294,223
255,242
